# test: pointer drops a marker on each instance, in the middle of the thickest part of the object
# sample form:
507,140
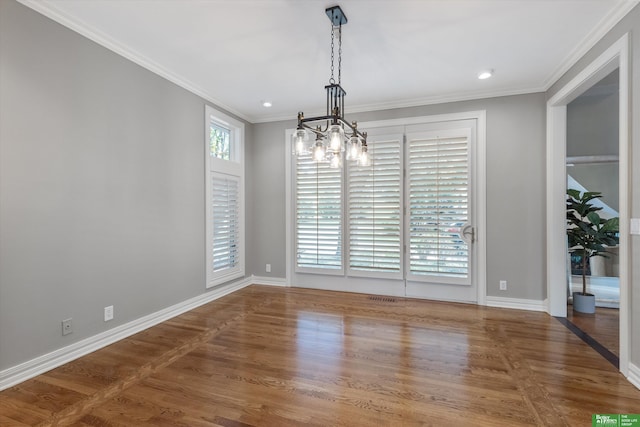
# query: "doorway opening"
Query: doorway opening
558,271
593,166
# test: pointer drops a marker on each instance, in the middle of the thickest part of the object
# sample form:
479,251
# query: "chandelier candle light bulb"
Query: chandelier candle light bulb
364,159
336,138
300,141
318,151
335,161
355,148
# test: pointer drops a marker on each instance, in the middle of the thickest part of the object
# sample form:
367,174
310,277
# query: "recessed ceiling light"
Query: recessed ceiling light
266,104
482,75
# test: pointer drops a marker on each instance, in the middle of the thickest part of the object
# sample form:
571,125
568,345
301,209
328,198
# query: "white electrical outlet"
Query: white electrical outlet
268,268
108,313
503,285
67,326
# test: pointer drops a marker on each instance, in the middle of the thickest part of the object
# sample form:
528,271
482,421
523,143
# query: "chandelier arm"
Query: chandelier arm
318,132
305,123
354,130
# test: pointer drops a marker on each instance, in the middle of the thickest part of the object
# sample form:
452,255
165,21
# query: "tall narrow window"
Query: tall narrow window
318,204
225,206
225,197
439,206
375,209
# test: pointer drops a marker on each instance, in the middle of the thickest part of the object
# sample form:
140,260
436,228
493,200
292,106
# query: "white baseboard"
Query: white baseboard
270,281
516,303
634,375
31,368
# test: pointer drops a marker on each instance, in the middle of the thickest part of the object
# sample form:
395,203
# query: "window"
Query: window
318,205
225,197
408,216
375,214
219,141
438,205
225,206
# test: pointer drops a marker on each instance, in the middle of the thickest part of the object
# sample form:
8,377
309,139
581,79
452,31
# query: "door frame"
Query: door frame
616,56
479,188
479,183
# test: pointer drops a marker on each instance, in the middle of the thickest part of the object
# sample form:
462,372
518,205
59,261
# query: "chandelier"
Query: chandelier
333,136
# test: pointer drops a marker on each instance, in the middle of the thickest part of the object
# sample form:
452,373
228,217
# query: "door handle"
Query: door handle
468,233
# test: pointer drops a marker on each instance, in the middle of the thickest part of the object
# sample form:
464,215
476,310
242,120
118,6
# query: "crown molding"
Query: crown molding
50,11
601,29
408,103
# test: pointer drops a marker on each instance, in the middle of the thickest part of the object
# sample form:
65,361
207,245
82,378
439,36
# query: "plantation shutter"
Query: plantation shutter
318,203
226,225
439,206
375,215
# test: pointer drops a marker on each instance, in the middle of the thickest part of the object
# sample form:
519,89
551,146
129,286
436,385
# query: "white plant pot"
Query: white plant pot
584,303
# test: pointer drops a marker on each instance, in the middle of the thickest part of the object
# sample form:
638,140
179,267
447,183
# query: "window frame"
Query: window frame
444,131
317,270
403,287
233,168
396,133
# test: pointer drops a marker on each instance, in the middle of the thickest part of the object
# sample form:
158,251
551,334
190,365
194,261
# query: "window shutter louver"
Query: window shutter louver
318,214
438,207
375,216
226,227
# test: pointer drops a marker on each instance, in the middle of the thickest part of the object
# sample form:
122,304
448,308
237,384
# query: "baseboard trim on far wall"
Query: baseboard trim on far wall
270,281
634,375
516,303
29,369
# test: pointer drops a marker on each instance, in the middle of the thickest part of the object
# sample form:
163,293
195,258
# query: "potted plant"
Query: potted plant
588,236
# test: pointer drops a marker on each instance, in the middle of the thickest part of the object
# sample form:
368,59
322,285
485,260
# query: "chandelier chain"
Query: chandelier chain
340,54
332,80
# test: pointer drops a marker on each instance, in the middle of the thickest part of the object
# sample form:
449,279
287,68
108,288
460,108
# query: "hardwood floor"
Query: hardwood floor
603,326
267,356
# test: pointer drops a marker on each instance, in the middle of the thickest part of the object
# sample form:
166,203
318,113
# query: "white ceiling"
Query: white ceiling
237,53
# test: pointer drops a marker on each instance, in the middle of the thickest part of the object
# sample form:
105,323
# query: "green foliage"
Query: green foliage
219,142
588,234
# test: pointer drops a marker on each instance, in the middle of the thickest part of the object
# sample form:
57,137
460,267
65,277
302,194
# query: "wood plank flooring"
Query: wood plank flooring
603,326
267,356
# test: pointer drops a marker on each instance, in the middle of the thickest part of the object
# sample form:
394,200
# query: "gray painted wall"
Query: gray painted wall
515,190
629,24
602,177
592,120
101,187
592,130
267,183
